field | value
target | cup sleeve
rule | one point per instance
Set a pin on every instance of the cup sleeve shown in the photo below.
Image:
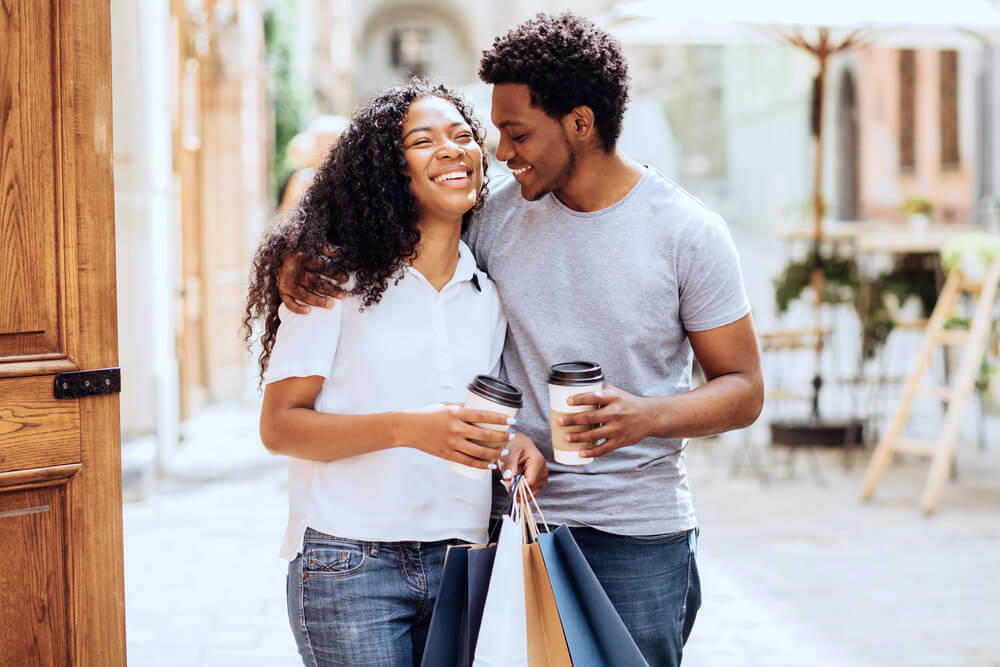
(306, 345)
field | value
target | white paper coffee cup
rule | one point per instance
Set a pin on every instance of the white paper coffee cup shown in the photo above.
(565, 380)
(489, 393)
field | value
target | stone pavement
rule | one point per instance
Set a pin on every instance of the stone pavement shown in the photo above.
(793, 572)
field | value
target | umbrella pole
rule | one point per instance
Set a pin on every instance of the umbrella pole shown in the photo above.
(816, 279)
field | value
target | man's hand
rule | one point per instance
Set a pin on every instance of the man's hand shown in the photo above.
(448, 432)
(622, 419)
(313, 289)
(524, 458)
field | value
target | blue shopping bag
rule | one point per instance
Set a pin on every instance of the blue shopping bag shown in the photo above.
(595, 633)
(458, 610)
(442, 646)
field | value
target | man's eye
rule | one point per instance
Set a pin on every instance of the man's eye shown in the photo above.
(519, 138)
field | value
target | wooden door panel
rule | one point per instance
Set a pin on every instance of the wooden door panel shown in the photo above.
(33, 578)
(36, 429)
(29, 303)
(61, 571)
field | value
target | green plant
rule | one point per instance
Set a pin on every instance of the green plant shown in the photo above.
(910, 277)
(289, 95)
(917, 205)
(839, 273)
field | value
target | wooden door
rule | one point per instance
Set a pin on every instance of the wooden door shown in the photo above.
(61, 574)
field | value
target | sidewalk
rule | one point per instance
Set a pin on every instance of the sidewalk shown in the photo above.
(793, 573)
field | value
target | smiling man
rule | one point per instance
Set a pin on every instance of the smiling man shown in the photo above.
(598, 257)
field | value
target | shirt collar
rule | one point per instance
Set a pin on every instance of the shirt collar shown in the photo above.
(465, 270)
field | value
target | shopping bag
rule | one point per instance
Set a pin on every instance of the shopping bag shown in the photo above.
(595, 633)
(480, 567)
(442, 648)
(546, 641)
(503, 640)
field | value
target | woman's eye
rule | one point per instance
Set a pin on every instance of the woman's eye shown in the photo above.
(465, 135)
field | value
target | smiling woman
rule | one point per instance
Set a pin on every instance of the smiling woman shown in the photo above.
(357, 394)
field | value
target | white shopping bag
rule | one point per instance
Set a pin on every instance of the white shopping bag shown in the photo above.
(503, 633)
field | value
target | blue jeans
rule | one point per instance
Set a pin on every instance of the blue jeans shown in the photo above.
(652, 582)
(363, 603)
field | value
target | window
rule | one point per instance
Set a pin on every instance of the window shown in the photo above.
(948, 90)
(907, 109)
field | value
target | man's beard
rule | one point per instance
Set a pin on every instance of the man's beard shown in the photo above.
(564, 176)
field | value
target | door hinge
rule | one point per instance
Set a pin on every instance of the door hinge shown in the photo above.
(77, 384)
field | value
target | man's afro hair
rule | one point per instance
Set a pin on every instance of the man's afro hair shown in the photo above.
(567, 62)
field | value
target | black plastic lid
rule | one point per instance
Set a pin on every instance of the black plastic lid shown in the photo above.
(573, 373)
(498, 391)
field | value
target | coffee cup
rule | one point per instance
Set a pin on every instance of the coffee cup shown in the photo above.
(489, 393)
(565, 380)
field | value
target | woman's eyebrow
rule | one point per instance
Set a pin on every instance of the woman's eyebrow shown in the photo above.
(427, 128)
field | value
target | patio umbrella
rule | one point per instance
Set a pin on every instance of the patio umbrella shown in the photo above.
(821, 29)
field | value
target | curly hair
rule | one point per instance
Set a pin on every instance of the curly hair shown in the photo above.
(361, 202)
(567, 62)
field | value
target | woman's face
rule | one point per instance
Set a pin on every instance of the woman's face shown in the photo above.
(442, 157)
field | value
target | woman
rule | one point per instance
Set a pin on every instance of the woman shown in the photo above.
(356, 395)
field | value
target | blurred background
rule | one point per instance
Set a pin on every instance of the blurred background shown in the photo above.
(222, 107)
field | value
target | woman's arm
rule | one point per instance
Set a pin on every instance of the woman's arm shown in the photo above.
(290, 426)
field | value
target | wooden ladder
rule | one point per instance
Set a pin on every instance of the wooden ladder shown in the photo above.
(974, 340)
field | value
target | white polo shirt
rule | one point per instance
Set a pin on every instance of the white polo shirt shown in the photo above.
(416, 347)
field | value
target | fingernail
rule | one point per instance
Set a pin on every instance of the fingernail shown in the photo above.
(511, 421)
(597, 393)
(505, 452)
(492, 466)
(562, 421)
(507, 474)
(510, 437)
(566, 438)
(308, 309)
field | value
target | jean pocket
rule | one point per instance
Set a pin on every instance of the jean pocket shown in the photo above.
(332, 558)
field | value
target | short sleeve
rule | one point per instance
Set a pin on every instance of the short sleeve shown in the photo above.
(712, 293)
(306, 344)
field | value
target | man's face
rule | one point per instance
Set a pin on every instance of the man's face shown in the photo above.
(534, 145)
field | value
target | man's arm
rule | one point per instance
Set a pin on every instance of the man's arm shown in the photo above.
(731, 398)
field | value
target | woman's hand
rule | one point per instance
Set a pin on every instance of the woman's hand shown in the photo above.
(524, 458)
(449, 432)
(313, 289)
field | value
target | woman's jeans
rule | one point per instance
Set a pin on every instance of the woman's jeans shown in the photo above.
(363, 603)
(652, 582)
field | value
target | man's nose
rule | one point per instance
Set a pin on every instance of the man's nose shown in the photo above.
(505, 149)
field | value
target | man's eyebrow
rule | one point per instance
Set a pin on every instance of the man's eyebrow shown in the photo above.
(507, 123)
(427, 128)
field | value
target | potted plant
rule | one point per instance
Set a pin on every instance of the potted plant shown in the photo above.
(918, 214)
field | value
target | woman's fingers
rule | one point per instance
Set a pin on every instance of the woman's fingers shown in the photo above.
(475, 455)
(484, 417)
(477, 433)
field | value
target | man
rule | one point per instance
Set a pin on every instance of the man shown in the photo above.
(600, 258)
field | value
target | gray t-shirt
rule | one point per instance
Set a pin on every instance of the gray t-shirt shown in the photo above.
(620, 287)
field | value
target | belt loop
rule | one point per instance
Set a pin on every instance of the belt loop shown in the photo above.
(373, 549)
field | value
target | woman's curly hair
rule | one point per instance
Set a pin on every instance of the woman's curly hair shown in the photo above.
(361, 202)
(567, 62)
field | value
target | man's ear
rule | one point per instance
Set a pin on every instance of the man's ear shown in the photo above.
(579, 124)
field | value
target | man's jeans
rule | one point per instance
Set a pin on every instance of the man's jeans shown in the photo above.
(652, 582)
(363, 603)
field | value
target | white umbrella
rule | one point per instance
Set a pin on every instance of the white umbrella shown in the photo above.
(822, 29)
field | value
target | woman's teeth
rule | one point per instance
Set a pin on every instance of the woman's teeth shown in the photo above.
(518, 172)
(451, 176)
